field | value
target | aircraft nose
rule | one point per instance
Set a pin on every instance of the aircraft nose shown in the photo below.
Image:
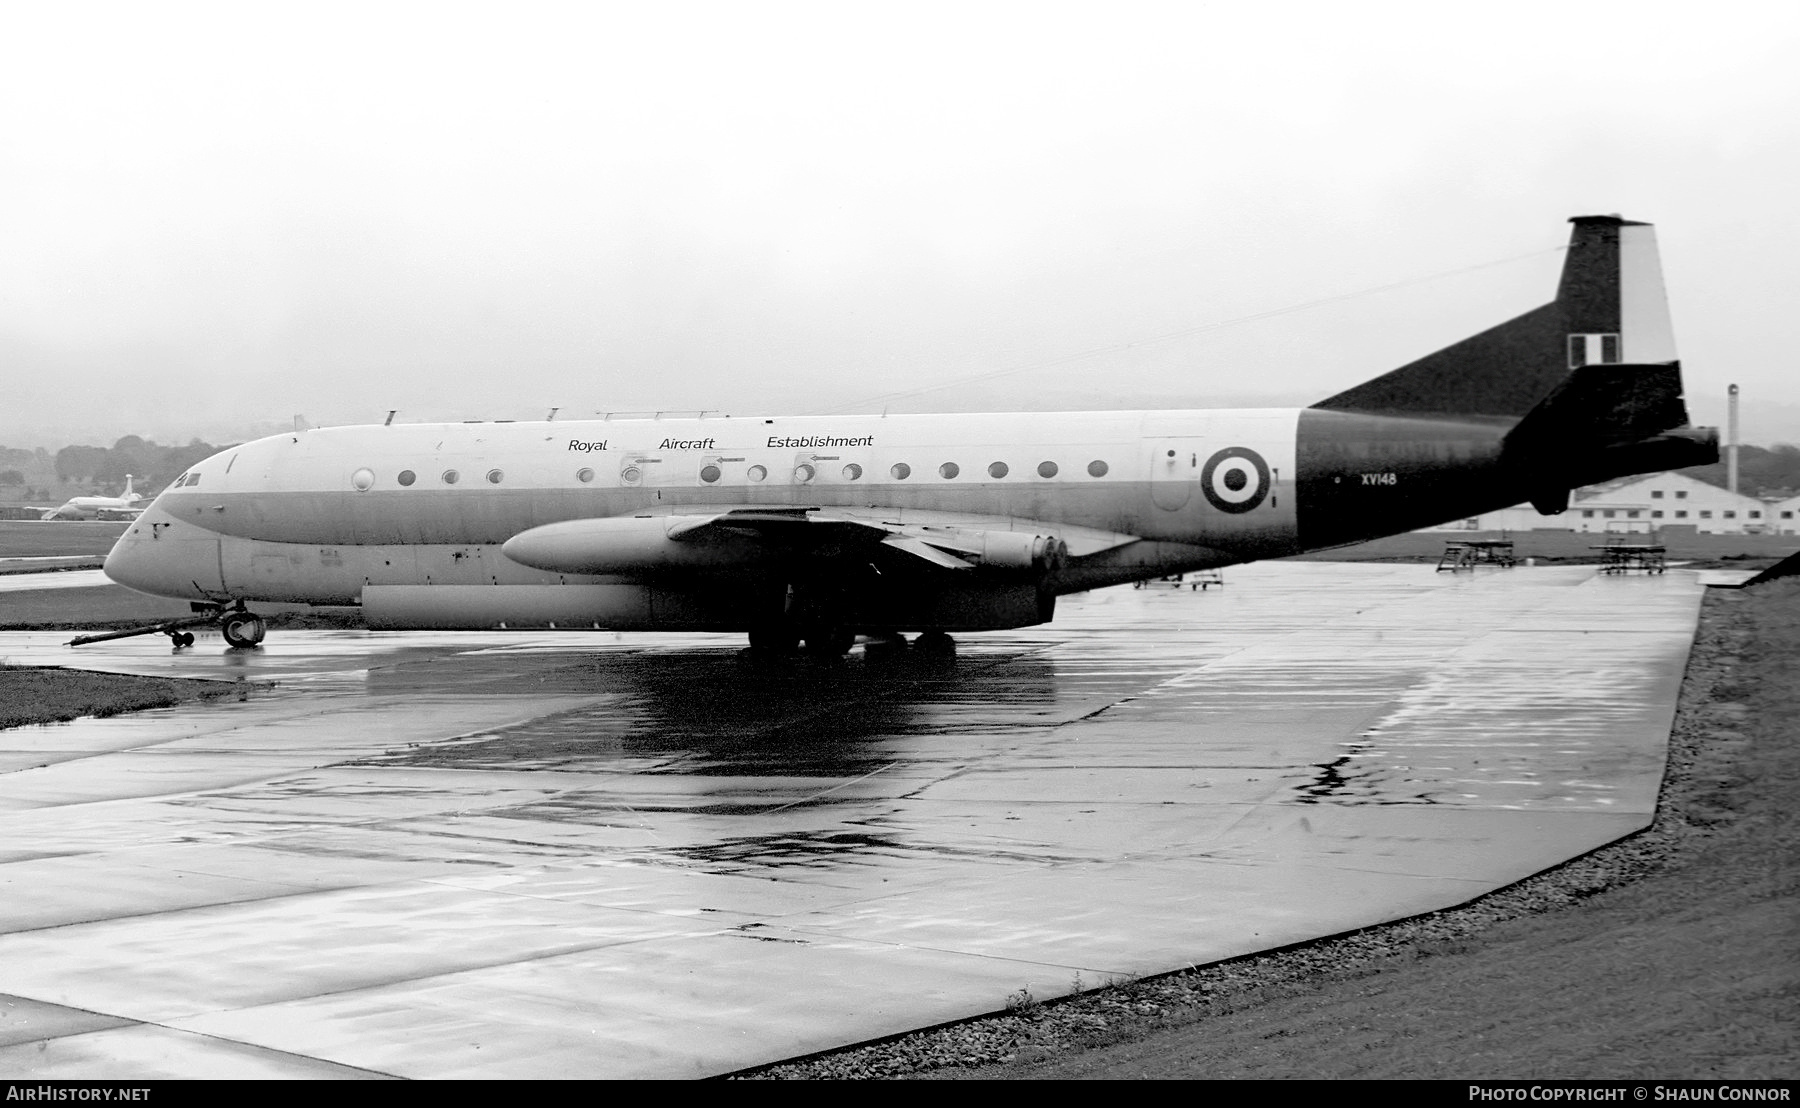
(128, 563)
(153, 557)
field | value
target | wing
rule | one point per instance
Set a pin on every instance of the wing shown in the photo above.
(745, 536)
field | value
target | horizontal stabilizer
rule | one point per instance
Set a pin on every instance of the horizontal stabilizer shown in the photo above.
(1597, 406)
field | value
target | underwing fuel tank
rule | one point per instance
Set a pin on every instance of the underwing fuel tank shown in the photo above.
(632, 545)
(627, 545)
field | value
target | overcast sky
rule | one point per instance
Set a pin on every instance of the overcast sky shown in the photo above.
(216, 217)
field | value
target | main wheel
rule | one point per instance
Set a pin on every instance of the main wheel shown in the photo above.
(935, 644)
(774, 639)
(830, 642)
(885, 647)
(243, 630)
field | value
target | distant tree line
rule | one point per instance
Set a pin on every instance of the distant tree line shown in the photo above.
(1771, 472)
(151, 464)
(28, 459)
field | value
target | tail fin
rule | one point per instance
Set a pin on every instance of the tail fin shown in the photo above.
(1610, 310)
(128, 496)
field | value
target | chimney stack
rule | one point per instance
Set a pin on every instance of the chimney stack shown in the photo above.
(1731, 442)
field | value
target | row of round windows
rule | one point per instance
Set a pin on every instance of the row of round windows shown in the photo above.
(804, 473)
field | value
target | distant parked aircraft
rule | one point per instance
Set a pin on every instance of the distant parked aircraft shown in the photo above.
(122, 506)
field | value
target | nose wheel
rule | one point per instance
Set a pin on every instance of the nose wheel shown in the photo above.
(242, 630)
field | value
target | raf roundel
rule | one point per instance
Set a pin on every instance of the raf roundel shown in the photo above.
(1236, 479)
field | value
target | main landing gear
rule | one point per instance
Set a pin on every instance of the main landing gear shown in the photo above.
(807, 616)
(819, 619)
(241, 628)
(817, 641)
(774, 642)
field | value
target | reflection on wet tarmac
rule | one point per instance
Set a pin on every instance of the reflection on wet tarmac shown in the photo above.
(446, 855)
(713, 714)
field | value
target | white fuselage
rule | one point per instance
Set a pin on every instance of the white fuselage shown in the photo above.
(336, 516)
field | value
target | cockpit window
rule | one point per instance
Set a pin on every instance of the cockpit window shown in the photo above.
(192, 479)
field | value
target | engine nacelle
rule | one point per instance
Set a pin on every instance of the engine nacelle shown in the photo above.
(627, 545)
(1017, 549)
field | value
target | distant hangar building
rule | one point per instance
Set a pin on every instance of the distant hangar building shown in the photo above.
(1647, 503)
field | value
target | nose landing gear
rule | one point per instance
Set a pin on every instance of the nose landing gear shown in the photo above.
(241, 628)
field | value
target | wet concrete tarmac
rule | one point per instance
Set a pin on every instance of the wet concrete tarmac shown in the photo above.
(33, 582)
(597, 855)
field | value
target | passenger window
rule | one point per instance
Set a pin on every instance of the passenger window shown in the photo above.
(1096, 468)
(1046, 469)
(584, 475)
(407, 477)
(901, 471)
(852, 472)
(709, 473)
(494, 476)
(803, 474)
(363, 480)
(997, 470)
(949, 470)
(450, 476)
(756, 473)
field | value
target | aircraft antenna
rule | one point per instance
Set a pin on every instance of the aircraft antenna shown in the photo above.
(392, 412)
